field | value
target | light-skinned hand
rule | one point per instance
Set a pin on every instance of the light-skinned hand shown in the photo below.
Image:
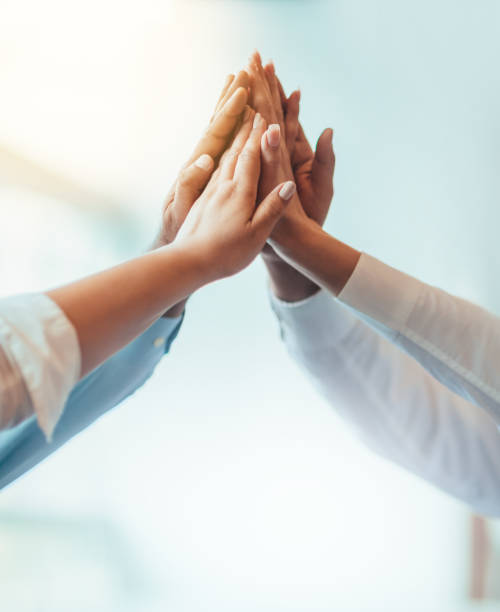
(225, 227)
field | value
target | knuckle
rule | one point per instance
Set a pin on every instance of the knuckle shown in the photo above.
(248, 154)
(275, 208)
(184, 176)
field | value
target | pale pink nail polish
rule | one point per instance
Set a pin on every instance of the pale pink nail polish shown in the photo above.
(205, 162)
(287, 191)
(273, 136)
(256, 120)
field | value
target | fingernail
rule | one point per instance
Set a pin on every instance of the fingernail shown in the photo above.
(204, 162)
(256, 120)
(287, 191)
(273, 136)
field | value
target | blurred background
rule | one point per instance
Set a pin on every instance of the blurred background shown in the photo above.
(226, 483)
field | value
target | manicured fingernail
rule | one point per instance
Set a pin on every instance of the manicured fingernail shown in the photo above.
(287, 191)
(205, 162)
(256, 120)
(273, 136)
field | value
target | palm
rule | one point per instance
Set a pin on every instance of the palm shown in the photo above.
(315, 193)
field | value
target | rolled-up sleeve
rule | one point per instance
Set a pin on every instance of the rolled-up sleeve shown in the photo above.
(24, 446)
(40, 361)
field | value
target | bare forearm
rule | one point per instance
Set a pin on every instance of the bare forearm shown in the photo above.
(111, 308)
(324, 260)
(177, 309)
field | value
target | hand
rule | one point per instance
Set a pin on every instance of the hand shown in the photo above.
(197, 171)
(313, 171)
(225, 227)
(190, 183)
(286, 282)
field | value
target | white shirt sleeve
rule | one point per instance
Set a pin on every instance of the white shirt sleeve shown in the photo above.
(456, 341)
(397, 407)
(39, 361)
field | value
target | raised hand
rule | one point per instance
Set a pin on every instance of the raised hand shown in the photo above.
(225, 228)
(313, 171)
(197, 170)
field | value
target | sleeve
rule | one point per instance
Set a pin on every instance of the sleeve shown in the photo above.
(399, 410)
(456, 341)
(120, 376)
(39, 360)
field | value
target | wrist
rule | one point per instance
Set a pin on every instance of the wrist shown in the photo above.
(287, 283)
(321, 257)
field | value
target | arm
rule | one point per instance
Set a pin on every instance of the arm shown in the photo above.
(24, 446)
(108, 309)
(400, 410)
(456, 341)
(395, 405)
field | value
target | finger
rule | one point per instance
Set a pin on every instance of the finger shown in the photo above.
(190, 184)
(271, 159)
(324, 164)
(230, 157)
(247, 171)
(261, 95)
(282, 93)
(270, 210)
(225, 88)
(275, 94)
(218, 132)
(292, 121)
(241, 80)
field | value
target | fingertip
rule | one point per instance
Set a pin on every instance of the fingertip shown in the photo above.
(293, 101)
(205, 162)
(255, 57)
(287, 191)
(273, 135)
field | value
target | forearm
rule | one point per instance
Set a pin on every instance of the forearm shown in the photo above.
(25, 446)
(111, 308)
(319, 257)
(456, 341)
(399, 410)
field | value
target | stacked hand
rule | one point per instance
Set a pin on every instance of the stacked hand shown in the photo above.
(225, 205)
(236, 193)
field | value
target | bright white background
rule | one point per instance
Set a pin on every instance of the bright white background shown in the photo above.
(226, 483)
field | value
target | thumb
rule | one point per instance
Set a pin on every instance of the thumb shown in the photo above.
(324, 165)
(269, 211)
(191, 182)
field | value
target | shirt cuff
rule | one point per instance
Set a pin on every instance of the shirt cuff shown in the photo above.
(315, 322)
(42, 343)
(382, 293)
(160, 335)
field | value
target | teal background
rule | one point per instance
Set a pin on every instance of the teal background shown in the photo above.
(226, 483)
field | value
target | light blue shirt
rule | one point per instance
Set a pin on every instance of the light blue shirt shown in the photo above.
(22, 447)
